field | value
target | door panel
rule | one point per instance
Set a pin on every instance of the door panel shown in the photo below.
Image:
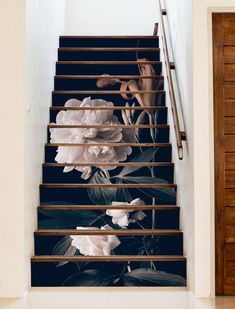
(224, 132)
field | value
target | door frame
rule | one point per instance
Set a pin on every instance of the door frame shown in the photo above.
(204, 189)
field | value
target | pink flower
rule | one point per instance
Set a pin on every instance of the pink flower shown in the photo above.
(95, 245)
(93, 154)
(121, 216)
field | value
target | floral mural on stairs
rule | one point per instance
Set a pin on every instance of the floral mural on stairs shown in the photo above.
(126, 218)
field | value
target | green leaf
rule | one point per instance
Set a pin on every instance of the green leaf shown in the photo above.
(91, 277)
(62, 246)
(144, 179)
(150, 277)
(145, 156)
(161, 194)
(68, 219)
(101, 196)
(123, 194)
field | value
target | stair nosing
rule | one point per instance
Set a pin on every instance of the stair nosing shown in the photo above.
(104, 185)
(91, 62)
(156, 164)
(107, 92)
(55, 108)
(129, 258)
(120, 232)
(109, 36)
(108, 144)
(108, 49)
(103, 126)
(104, 207)
(108, 77)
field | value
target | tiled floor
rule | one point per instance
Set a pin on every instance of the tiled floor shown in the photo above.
(114, 299)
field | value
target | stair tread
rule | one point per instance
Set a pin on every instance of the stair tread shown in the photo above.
(104, 207)
(113, 62)
(53, 258)
(108, 49)
(109, 144)
(106, 91)
(108, 36)
(56, 232)
(160, 164)
(109, 77)
(105, 185)
(55, 108)
(77, 126)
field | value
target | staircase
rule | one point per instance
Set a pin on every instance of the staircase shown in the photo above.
(108, 213)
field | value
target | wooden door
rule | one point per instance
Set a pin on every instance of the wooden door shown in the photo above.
(224, 134)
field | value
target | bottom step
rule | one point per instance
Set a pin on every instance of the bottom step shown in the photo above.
(114, 271)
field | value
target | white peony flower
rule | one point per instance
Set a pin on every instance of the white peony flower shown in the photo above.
(121, 216)
(94, 154)
(95, 245)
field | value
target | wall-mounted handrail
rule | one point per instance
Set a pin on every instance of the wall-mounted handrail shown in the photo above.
(180, 135)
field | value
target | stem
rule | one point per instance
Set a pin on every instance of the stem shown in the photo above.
(140, 225)
(147, 252)
(97, 219)
(106, 173)
(128, 267)
(153, 203)
(138, 141)
(152, 133)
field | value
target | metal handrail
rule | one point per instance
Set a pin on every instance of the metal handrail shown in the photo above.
(180, 135)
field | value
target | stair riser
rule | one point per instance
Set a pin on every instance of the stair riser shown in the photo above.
(109, 42)
(89, 84)
(161, 116)
(70, 219)
(98, 69)
(117, 99)
(130, 245)
(161, 135)
(79, 196)
(47, 274)
(163, 154)
(108, 55)
(55, 174)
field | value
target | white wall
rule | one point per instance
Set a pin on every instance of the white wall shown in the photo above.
(26, 85)
(45, 22)
(179, 15)
(110, 17)
(12, 116)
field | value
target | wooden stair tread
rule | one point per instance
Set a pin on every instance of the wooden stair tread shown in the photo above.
(56, 232)
(105, 185)
(108, 77)
(101, 126)
(97, 49)
(109, 62)
(108, 36)
(111, 258)
(157, 164)
(108, 144)
(106, 92)
(140, 108)
(104, 207)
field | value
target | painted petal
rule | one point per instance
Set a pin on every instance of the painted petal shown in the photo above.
(137, 201)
